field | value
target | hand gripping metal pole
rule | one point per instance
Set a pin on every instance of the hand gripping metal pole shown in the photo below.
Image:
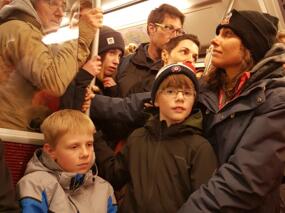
(95, 46)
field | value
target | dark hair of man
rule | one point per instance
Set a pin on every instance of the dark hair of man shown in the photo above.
(173, 42)
(158, 14)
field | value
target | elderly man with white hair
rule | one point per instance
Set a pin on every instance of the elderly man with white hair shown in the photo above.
(28, 67)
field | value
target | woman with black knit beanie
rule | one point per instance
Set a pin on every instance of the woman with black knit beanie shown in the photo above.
(243, 99)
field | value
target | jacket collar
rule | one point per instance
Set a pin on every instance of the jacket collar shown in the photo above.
(20, 7)
(262, 74)
(192, 124)
(24, 17)
(141, 58)
(68, 180)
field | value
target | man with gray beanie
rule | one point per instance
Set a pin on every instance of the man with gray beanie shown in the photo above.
(103, 67)
(111, 49)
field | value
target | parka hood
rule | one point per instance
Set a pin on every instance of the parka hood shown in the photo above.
(192, 125)
(273, 60)
(68, 180)
(42, 162)
(24, 6)
(269, 68)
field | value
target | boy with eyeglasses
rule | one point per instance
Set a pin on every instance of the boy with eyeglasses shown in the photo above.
(165, 161)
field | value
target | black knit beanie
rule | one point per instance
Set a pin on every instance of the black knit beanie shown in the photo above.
(256, 30)
(174, 69)
(110, 39)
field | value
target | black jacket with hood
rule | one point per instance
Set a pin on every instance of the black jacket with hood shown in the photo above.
(137, 72)
(161, 165)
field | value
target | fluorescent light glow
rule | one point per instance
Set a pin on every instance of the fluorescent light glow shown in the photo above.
(62, 35)
(112, 4)
(126, 17)
(138, 13)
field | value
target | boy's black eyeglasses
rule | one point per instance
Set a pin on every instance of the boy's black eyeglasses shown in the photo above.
(173, 92)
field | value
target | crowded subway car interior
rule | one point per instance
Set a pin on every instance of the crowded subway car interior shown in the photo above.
(124, 65)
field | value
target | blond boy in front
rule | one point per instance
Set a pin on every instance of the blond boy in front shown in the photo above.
(62, 176)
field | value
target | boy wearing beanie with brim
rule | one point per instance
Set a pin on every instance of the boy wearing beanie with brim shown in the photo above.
(163, 162)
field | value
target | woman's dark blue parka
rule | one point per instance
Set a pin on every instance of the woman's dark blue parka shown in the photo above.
(248, 135)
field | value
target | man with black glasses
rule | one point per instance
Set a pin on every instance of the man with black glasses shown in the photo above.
(137, 71)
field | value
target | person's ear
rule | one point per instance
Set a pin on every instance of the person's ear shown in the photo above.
(49, 150)
(156, 104)
(164, 56)
(151, 28)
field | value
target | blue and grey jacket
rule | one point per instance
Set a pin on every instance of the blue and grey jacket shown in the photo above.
(46, 188)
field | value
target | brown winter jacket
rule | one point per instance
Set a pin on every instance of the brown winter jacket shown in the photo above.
(28, 66)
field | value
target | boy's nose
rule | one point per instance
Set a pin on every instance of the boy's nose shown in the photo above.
(84, 152)
(180, 95)
(117, 60)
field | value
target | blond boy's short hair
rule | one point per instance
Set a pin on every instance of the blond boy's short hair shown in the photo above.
(64, 122)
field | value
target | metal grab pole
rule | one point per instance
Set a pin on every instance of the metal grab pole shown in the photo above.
(95, 46)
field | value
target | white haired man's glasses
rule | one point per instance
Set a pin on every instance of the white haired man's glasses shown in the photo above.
(57, 4)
